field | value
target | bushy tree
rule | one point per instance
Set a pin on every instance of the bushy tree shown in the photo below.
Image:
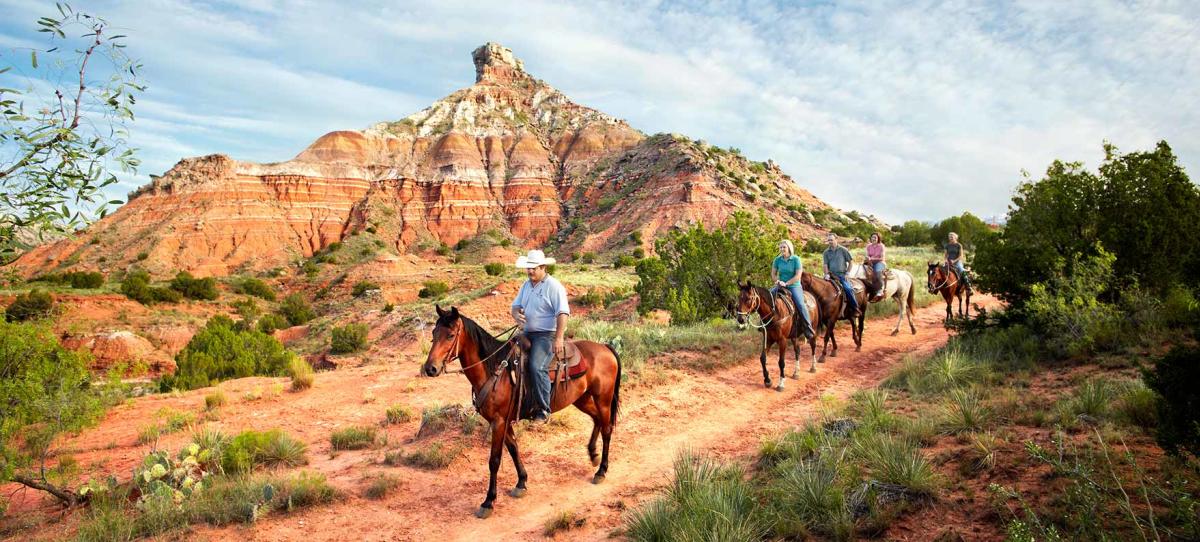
(1139, 207)
(29, 306)
(971, 231)
(1174, 379)
(60, 137)
(296, 309)
(912, 233)
(222, 351)
(194, 288)
(136, 286)
(348, 338)
(45, 392)
(696, 271)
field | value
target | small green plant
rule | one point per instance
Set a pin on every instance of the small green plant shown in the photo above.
(34, 305)
(432, 457)
(493, 269)
(588, 257)
(362, 287)
(301, 373)
(251, 449)
(222, 351)
(380, 486)
(353, 438)
(433, 289)
(142, 256)
(296, 309)
(624, 260)
(268, 323)
(563, 520)
(348, 338)
(255, 287)
(397, 414)
(388, 308)
(194, 288)
(964, 412)
(136, 286)
(215, 400)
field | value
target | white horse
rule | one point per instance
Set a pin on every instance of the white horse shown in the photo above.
(898, 286)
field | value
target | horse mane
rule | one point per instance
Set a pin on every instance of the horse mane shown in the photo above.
(485, 344)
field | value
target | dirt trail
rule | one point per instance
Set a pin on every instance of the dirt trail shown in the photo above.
(725, 413)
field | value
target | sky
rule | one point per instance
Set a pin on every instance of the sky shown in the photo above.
(905, 110)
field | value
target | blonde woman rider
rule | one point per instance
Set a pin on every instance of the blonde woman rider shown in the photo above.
(785, 271)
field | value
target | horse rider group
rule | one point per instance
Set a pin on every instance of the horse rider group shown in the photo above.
(541, 309)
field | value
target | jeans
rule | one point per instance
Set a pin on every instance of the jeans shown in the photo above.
(962, 273)
(798, 298)
(879, 268)
(541, 353)
(848, 290)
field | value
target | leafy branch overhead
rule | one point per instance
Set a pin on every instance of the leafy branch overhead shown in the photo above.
(64, 113)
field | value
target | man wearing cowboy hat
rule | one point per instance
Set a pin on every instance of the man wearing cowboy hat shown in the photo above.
(541, 309)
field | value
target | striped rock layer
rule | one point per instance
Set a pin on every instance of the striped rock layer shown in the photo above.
(509, 154)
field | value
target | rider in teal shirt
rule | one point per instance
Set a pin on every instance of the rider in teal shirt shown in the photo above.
(786, 271)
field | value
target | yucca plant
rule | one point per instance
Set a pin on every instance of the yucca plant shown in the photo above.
(964, 412)
(897, 462)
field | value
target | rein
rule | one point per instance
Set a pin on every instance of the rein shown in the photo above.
(454, 353)
(945, 282)
(758, 305)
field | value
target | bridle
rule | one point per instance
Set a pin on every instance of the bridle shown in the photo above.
(754, 310)
(945, 282)
(455, 352)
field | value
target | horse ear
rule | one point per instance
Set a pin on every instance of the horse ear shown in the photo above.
(454, 312)
(749, 284)
(439, 310)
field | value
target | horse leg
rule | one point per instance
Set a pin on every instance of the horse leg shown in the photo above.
(510, 442)
(833, 338)
(588, 405)
(900, 317)
(762, 359)
(782, 360)
(606, 429)
(796, 350)
(499, 430)
(858, 334)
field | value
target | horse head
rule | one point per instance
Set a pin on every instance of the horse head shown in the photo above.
(936, 277)
(747, 302)
(447, 342)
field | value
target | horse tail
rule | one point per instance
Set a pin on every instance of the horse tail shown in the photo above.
(616, 398)
(912, 304)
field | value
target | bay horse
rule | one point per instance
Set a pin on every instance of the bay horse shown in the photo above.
(945, 281)
(487, 363)
(900, 287)
(833, 308)
(777, 320)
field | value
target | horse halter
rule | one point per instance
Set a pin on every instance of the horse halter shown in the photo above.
(945, 281)
(754, 309)
(453, 353)
(456, 352)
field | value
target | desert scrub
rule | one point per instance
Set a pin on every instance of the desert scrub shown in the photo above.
(353, 438)
(493, 269)
(433, 289)
(301, 373)
(296, 309)
(254, 287)
(380, 486)
(432, 456)
(252, 449)
(29, 306)
(705, 501)
(362, 287)
(637, 343)
(222, 351)
(348, 338)
(438, 418)
(397, 414)
(193, 288)
(215, 400)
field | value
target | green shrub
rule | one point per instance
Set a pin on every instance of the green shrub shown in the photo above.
(1174, 379)
(252, 449)
(897, 461)
(635, 236)
(215, 400)
(461, 244)
(363, 286)
(296, 309)
(256, 288)
(1068, 308)
(624, 260)
(493, 269)
(588, 257)
(706, 501)
(77, 279)
(348, 338)
(388, 307)
(29, 306)
(638, 253)
(310, 268)
(380, 486)
(142, 256)
(964, 412)
(136, 286)
(432, 457)
(443, 250)
(271, 322)
(607, 202)
(433, 289)
(398, 414)
(220, 352)
(353, 438)
(301, 373)
(1137, 406)
(194, 288)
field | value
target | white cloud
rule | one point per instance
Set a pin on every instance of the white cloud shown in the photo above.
(903, 110)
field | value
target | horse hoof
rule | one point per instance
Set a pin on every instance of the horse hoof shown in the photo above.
(779, 387)
(796, 373)
(766, 383)
(812, 369)
(483, 513)
(597, 478)
(895, 332)
(517, 492)
(858, 349)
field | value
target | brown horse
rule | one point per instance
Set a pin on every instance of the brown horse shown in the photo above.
(487, 363)
(945, 281)
(777, 316)
(833, 307)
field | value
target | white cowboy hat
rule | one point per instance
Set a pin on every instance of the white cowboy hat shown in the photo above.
(534, 259)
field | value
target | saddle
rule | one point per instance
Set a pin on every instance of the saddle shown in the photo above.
(568, 364)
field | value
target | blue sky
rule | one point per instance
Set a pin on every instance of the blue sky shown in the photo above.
(903, 110)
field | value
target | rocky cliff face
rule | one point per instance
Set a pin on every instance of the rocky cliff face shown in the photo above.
(509, 153)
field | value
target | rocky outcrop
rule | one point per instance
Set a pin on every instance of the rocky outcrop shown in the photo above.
(114, 348)
(509, 153)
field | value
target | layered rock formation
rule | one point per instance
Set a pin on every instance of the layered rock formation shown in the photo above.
(509, 153)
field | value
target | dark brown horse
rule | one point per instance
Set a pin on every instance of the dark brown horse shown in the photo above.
(945, 281)
(833, 307)
(486, 361)
(777, 319)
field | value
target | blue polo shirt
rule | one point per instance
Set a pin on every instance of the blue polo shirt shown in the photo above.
(543, 302)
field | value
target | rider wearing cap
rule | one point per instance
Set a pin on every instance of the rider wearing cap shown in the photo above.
(541, 309)
(837, 263)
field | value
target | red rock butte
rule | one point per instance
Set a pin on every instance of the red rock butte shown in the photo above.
(509, 154)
